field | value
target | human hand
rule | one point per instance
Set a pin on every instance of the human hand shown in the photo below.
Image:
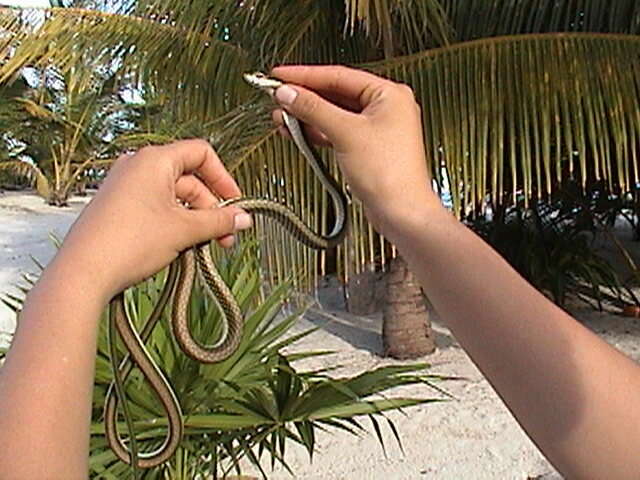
(374, 126)
(135, 225)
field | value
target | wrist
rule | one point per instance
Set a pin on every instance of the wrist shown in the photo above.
(403, 221)
(73, 275)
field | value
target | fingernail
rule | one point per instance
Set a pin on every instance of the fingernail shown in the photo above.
(242, 221)
(286, 95)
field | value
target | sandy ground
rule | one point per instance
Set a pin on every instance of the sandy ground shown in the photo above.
(472, 436)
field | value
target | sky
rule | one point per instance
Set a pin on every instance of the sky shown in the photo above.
(25, 3)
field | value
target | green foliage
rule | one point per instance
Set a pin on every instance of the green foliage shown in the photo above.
(551, 244)
(250, 406)
(58, 134)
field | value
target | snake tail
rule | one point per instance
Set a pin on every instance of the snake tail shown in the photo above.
(139, 354)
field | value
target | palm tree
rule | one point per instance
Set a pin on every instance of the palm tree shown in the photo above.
(517, 96)
(60, 131)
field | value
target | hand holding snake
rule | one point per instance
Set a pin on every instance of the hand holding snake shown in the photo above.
(134, 227)
(369, 106)
(138, 209)
(179, 283)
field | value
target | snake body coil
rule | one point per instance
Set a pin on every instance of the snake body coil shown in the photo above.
(180, 279)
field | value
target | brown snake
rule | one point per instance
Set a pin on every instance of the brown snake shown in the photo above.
(179, 282)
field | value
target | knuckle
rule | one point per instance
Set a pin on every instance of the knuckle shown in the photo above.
(405, 90)
(201, 143)
(340, 73)
(206, 148)
(222, 223)
(310, 104)
(192, 193)
(148, 151)
(406, 94)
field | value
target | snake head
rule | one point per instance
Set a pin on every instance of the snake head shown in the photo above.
(262, 81)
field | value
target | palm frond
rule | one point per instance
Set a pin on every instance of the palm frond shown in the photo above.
(36, 110)
(183, 63)
(420, 24)
(269, 31)
(503, 116)
(178, 47)
(523, 113)
(473, 19)
(252, 403)
(326, 32)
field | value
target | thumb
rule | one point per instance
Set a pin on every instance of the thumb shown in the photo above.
(207, 224)
(312, 109)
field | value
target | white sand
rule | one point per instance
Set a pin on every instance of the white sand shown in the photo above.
(470, 437)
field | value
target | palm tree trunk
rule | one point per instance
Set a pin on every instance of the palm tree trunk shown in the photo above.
(364, 291)
(406, 328)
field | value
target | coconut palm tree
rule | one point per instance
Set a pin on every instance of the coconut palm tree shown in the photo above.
(517, 95)
(60, 132)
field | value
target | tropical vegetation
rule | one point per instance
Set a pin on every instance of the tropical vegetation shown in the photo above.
(247, 409)
(518, 97)
(552, 244)
(59, 134)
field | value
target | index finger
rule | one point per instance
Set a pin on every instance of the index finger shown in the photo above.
(337, 79)
(197, 156)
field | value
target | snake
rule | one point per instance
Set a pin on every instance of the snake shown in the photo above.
(179, 282)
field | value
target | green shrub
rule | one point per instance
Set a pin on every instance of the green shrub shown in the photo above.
(551, 244)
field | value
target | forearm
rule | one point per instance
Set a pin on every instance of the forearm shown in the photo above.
(47, 379)
(576, 396)
(131, 229)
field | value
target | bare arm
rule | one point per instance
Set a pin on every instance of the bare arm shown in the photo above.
(131, 229)
(577, 397)
(47, 379)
